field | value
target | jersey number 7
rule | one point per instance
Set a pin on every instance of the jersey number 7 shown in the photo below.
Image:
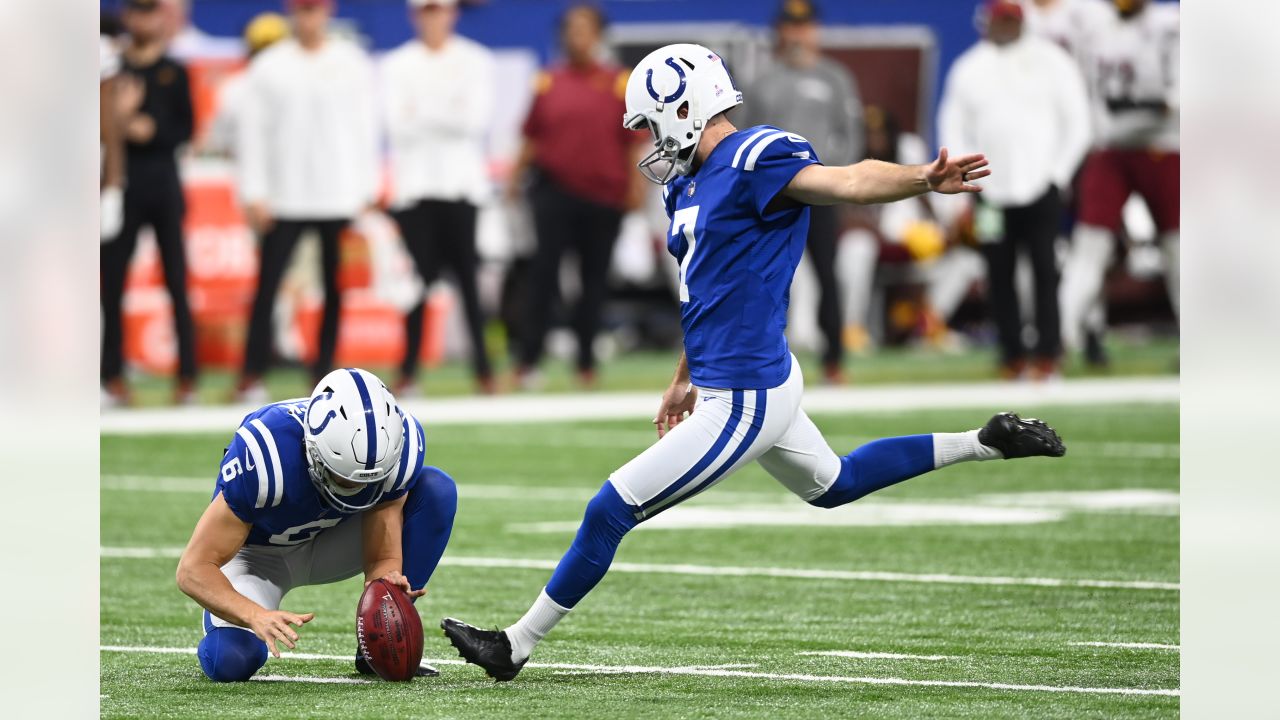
(684, 221)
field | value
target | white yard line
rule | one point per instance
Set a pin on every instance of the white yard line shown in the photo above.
(625, 671)
(630, 406)
(1134, 500)
(479, 491)
(859, 655)
(469, 491)
(746, 674)
(288, 654)
(817, 574)
(326, 680)
(140, 553)
(726, 570)
(1129, 645)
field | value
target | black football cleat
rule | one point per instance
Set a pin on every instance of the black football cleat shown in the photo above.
(424, 670)
(1018, 438)
(490, 649)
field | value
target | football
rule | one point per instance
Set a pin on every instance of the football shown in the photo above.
(389, 631)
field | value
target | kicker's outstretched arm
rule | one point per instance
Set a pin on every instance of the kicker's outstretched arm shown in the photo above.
(874, 181)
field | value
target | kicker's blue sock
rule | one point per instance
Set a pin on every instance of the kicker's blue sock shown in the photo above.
(876, 466)
(608, 518)
(428, 521)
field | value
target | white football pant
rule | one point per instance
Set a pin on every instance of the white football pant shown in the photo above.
(264, 573)
(728, 429)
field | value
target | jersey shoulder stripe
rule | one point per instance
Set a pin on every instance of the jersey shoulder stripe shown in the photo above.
(263, 466)
(259, 465)
(263, 434)
(414, 450)
(737, 157)
(754, 156)
(273, 456)
(398, 477)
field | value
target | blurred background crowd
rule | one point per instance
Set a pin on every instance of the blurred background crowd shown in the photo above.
(443, 189)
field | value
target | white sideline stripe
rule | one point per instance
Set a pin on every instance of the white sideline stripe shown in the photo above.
(727, 570)
(858, 655)
(326, 680)
(1130, 645)
(482, 491)
(287, 654)
(1151, 501)
(470, 491)
(815, 574)
(141, 552)
(624, 671)
(639, 406)
(714, 672)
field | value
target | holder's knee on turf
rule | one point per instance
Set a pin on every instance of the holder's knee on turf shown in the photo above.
(229, 654)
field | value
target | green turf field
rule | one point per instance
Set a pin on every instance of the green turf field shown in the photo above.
(644, 371)
(703, 643)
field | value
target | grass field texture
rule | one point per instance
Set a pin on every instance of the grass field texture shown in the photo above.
(969, 625)
(640, 371)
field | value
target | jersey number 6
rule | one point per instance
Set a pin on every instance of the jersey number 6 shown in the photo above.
(685, 221)
(231, 469)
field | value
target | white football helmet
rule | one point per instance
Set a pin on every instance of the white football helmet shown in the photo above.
(671, 79)
(354, 437)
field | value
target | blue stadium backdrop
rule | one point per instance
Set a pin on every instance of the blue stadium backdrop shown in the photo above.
(531, 23)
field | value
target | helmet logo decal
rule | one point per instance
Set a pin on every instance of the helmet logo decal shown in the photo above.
(327, 417)
(648, 83)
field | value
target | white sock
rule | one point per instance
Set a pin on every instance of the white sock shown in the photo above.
(951, 448)
(536, 623)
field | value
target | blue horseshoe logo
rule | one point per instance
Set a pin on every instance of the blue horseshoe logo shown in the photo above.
(328, 416)
(648, 82)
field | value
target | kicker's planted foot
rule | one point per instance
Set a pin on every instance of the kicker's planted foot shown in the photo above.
(1018, 438)
(490, 649)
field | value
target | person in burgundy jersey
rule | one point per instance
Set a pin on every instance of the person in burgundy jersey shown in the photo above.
(575, 204)
(1133, 71)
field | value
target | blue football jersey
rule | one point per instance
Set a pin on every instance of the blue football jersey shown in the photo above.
(265, 481)
(737, 256)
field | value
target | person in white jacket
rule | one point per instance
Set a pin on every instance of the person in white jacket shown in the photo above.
(263, 31)
(307, 152)
(1023, 100)
(437, 103)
